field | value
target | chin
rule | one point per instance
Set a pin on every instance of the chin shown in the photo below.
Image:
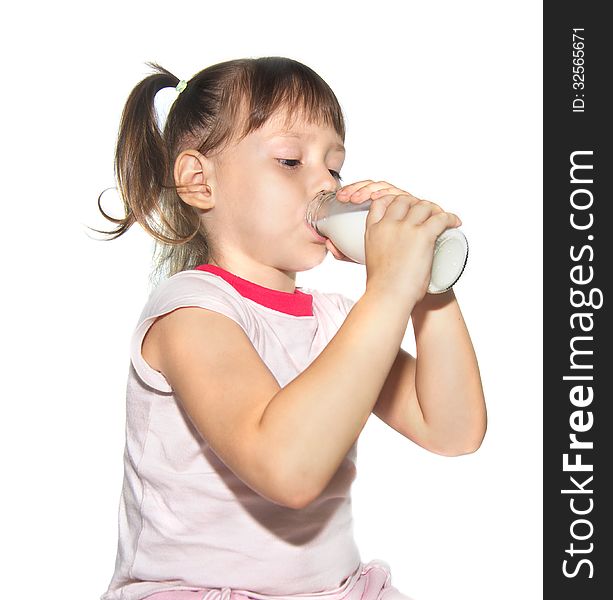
(310, 259)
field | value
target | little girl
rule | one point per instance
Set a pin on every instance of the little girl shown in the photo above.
(246, 395)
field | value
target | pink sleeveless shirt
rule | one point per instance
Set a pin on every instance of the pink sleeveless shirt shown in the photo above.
(185, 520)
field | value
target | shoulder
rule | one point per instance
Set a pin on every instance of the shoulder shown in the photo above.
(187, 289)
(196, 288)
(194, 281)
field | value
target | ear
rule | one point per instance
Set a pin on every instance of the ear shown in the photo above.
(190, 173)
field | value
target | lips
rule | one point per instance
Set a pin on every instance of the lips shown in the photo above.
(316, 235)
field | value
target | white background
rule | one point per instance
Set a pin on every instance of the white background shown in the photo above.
(442, 99)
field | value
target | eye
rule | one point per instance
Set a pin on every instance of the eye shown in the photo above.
(283, 161)
(288, 160)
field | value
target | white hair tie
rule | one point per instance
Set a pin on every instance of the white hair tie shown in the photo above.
(163, 101)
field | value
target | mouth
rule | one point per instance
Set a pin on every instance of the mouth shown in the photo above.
(316, 235)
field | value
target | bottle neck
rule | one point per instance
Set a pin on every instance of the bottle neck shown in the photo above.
(314, 207)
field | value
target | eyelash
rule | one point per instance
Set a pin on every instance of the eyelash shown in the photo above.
(336, 174)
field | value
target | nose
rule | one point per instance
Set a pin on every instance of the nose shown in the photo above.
(327, 183)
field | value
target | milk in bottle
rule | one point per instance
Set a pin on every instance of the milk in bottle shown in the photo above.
(345, 224)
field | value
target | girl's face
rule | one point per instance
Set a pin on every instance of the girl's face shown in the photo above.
(262, 186)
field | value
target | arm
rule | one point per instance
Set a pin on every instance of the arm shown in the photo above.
(286, 443)
(437, 399)
(317, 417)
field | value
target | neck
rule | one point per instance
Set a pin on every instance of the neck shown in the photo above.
(264, 275)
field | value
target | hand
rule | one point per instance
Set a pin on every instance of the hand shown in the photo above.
(359, 192)
(401, 230)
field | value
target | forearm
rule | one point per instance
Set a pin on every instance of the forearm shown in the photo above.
(447, 377)
(314, 420)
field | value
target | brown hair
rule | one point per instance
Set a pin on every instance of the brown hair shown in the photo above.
(207, 115)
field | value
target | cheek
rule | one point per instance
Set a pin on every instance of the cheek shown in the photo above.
(263, 220)
(281, 212)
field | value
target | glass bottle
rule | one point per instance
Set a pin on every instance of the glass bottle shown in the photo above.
(344, 223)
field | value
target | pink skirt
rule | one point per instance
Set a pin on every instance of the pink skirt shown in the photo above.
(370, 581)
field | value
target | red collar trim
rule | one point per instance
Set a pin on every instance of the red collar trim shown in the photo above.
(297, 303)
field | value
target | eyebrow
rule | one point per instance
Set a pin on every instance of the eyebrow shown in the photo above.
(300, 136)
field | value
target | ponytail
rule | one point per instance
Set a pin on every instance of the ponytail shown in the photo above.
(144, 172)
(142, 157)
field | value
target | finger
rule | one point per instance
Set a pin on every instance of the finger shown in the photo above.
(377, 209)
(361, 191)
(435, 207)
(358, 193)
(398, 205)
(346, 191)
(388, 190)
(420, 212)
(439, 222)
(372, 190)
